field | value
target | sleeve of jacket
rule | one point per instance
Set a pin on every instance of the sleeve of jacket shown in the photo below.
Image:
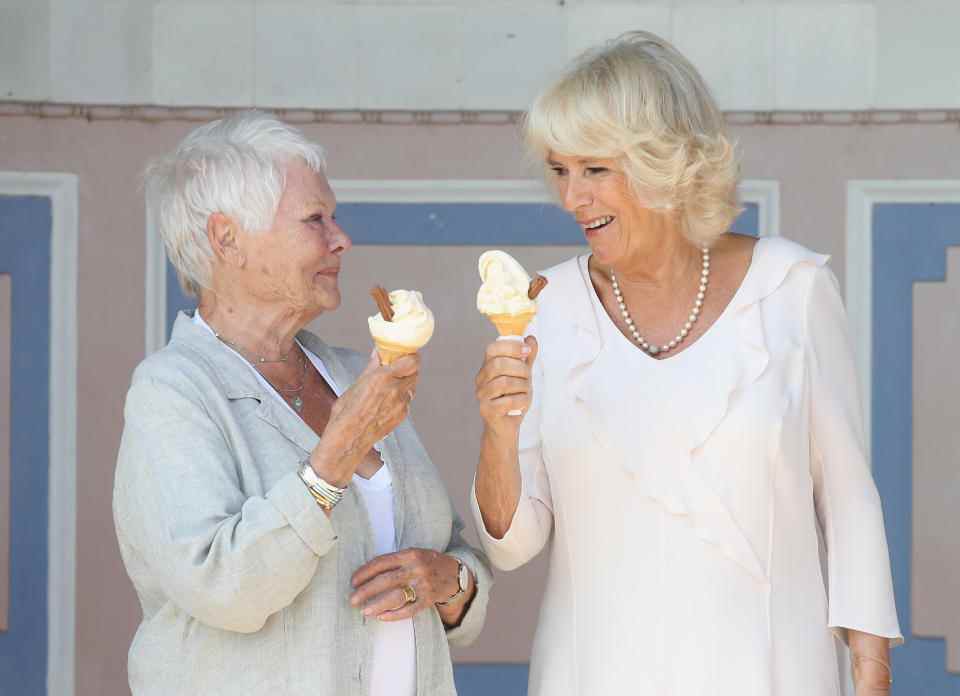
(476, 615)
(847, 502)
(228, 560)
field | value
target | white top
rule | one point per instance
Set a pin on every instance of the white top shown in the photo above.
(394, 670)
(682, 497)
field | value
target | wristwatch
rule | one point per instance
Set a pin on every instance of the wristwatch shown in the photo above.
(463, 582)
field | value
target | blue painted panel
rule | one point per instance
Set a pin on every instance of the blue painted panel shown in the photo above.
(502, 679)
(748, 222)
(458, 224)
(909, 245)
(486, 224)
(482, 224)
(177, 300)
(25, 237)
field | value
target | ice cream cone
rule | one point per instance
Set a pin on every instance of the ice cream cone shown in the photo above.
(511, 324)
(389, 352)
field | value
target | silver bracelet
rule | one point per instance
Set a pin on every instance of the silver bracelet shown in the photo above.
(326, 494)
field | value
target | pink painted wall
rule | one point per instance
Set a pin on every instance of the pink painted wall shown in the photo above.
(812, 163)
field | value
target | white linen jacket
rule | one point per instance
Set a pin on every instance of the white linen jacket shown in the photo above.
(243, 580)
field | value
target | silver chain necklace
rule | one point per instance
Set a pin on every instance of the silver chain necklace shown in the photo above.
(260, 359)
(691, 320)
(296, 400)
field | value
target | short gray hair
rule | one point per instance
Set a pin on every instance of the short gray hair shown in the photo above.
(235, 166)
(638, 100)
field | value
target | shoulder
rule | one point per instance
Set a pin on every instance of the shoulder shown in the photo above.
(782, 267)
(564, 302)
(564, 272)
(175, 363)
(175, 375)
(565, 281)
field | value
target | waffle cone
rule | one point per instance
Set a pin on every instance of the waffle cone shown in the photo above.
(511, 324)
(389, 352)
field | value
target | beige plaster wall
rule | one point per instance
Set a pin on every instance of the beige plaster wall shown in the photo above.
(811, 162)
(936, 459)
(5, 323)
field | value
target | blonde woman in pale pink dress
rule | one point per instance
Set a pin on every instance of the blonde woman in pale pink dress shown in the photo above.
(691, 441)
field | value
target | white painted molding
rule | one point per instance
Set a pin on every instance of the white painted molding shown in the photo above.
(61, 542)
(155, 324)
(862, 195)
(766, 194)
(441, 191)
(139, 113)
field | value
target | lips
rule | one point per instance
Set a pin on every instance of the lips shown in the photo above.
(593, 225)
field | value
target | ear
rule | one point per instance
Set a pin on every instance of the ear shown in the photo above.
(224, 238)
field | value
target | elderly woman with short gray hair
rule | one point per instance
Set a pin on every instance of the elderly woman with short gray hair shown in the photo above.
(690, 418)
(284, 528)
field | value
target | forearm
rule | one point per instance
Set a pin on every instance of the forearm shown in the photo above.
(337, 456)
(870, 658)
(498, 483)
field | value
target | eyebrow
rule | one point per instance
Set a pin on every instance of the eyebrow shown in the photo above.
(582, 160)
(312, 206)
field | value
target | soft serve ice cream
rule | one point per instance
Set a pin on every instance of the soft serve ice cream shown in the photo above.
(506, 297)
(408, 327)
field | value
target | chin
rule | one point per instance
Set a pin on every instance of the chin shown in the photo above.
(328, 302)
(602, 254)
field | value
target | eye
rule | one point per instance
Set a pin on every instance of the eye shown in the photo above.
(558, 171)
(596, 170)
(315, 219)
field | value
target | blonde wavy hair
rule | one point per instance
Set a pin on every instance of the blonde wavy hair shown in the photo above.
(638, 100)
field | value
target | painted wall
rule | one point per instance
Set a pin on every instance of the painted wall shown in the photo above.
(5, 317)
(811, 162)
(762, 55)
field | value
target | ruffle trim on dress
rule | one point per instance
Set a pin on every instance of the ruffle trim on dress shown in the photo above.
(674, 482)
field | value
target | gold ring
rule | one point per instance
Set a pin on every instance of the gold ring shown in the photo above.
(409, 594)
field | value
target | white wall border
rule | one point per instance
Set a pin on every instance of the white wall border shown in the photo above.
(155, 295)
(765, 193)
(61, 540)
(862, 195)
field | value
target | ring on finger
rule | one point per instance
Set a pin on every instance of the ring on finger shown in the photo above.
(409, 594)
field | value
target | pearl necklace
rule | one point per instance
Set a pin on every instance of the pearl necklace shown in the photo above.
(694, 313)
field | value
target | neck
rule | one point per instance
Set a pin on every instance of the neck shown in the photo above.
(261, 330)
(659, 258)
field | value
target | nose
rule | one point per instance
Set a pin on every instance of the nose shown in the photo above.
(575, 193)
(339, 241)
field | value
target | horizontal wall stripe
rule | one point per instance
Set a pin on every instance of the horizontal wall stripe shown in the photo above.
(502, 224)
(480, 224)
(139, 113)
(487, 679)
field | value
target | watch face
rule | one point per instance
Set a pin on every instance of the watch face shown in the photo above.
(463, 577)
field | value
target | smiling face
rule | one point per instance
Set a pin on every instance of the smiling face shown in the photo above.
(597, 193)
(296, 262)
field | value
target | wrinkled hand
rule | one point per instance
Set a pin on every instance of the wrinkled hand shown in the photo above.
(376, 403)
(504, 384)
(379, 584)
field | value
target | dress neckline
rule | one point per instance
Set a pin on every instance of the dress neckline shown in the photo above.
(606, 320)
